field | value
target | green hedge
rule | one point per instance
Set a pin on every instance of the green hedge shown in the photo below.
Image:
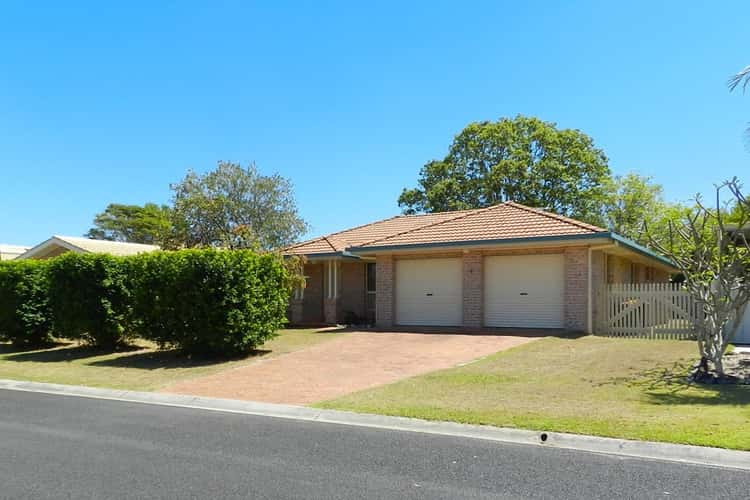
(25, 317)
(90, 298)
(209, 302)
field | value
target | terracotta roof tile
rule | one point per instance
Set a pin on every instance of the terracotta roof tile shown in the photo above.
(505, 221)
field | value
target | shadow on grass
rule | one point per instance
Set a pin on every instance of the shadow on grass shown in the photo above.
(62, 354)
(711, 395)
(669, 386)
(6, 348)
(170, 359)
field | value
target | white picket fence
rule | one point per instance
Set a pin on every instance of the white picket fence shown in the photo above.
(647, 310)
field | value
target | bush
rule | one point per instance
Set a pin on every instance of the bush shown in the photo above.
(25, 317)
(209, 302)
(90, 299)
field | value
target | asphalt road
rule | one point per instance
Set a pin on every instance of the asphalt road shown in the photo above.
(68, 447)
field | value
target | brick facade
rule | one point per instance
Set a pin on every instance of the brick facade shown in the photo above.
(473, 289)
(384, 284)
(318, 307)
(576, 288)
(296, 311)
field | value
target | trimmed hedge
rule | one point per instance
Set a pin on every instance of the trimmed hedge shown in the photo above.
(210, 302)
(25, 317)
(207, 302)
(90, 300)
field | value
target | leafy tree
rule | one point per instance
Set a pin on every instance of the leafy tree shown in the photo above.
(522, 159)
(235, 207)
(714, 257)
(634, 202)
(149, 223)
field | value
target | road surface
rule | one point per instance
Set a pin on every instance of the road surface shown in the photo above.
(78, 448)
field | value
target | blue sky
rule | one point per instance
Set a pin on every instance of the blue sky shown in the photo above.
(111, 103)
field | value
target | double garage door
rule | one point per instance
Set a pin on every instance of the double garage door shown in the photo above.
(524, 291)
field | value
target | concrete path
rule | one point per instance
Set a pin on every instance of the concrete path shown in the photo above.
(351, 363)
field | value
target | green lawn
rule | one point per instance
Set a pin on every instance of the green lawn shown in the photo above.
(590, 385)
(141, 368)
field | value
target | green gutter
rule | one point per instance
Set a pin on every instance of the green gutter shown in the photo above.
(641, 249)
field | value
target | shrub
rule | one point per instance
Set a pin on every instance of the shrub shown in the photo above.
(210, 302)
(90, 299)
(25, 317)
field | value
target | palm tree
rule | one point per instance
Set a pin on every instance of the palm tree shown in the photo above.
(741, 77)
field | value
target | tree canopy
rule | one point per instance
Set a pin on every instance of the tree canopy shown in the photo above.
(235, 207)
(633, 203)
(149, 223)
(523, 159)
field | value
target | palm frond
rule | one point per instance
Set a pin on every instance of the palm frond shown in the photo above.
(741, 77)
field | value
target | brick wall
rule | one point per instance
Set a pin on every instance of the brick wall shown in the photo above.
(384, 283)
(473, 289)
(598, 285)
(312, 306)
(576, 288)
(295, 312)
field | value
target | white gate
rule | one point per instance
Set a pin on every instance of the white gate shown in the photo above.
(647, 310)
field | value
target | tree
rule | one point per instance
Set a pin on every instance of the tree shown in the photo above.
(235, 207)
(714, 257)
(522, 159)
(742, 78)
(633, 203)
(149, 223)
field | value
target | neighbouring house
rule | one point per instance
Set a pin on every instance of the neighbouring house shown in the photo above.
(10, 252)
(508, 265)
(60, 244)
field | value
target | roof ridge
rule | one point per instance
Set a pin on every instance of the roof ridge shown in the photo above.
(329, 243)
(464, 214)
(326, 236)
(553, 215)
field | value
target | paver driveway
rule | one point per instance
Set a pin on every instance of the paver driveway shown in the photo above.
(355, 361)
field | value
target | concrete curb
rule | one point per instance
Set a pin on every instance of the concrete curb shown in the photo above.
(698, 455)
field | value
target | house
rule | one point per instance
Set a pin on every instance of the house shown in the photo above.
(60, 244)
(507, 265)
(10, 252)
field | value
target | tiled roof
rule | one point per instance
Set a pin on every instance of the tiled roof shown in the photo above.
(507, 220)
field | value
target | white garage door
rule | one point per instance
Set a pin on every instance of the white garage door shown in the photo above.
(429, 292)
(524, 291)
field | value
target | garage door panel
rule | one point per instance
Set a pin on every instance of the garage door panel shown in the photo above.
(429, 292)
(524, 291)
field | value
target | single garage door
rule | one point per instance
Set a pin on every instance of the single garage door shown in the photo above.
(524, 291)
(429, 292)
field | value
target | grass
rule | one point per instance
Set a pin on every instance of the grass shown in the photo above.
(622, 388)
(141, 367)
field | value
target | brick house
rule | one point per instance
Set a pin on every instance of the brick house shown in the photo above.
(508, 265)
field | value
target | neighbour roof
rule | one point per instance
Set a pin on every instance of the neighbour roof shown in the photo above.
(507, 220)
(12, 248)
(106, 246)
(88, 245)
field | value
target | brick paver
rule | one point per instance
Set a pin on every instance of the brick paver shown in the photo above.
(353, 362)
